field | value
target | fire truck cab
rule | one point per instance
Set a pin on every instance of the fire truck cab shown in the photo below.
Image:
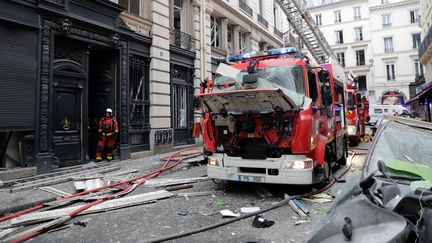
(357, 114)
(271, 118)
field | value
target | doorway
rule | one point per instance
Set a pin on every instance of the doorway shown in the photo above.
(101, 91)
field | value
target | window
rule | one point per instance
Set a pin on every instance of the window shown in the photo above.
(415, 16)
(178, 21)
(358, 33)
(313, 90)
(386, 21)
(132, 6)
(360, 58)
(338, 17)
(418, 68)
(139, 100)
(390, 71)
(388, 44)
(242, 42)
(341, 58)
(384, 1)
(230, 39)
(339, 37)
(357, 13)
(275, 16)
(362, 85)
(215, 32)
(416, 40)
(318, 19)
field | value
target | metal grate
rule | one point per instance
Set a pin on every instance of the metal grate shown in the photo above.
(262, 20)
(277, 32)
(181, 39)
(243, 6)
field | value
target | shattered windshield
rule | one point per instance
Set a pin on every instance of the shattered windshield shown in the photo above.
(402, 142)
(289, 79)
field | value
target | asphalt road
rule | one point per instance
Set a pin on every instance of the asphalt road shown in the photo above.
(161, 218)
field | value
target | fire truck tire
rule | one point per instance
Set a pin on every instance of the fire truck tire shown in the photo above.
(354, 141)
(327, 175)
(343, 159)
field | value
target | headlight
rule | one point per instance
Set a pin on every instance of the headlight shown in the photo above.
(298, 164)
(213, 161)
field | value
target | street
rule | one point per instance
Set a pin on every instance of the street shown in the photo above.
(162, 217)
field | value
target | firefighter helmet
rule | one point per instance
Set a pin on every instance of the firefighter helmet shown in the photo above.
(109, 110)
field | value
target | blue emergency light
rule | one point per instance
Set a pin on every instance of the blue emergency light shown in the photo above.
(281, 51)
(274, 52)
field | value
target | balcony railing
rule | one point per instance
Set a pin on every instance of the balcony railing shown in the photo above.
(181, 39)
(277, 32)
(243, 6)
(426, 42)
(388, 50)
(263, 21)
(387, 25)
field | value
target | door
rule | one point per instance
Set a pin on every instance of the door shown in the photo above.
(68, 90)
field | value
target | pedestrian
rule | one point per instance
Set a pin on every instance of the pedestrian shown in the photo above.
(108, 131)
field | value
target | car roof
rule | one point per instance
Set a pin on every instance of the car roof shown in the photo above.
(410, 122)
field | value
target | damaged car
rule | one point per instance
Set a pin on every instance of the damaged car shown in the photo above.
(391, 200)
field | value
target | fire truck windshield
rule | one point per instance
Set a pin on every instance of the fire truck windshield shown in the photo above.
(290, 79)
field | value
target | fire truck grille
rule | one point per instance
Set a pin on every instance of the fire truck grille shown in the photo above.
(253, 148)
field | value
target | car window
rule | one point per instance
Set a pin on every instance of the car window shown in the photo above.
(402, 142)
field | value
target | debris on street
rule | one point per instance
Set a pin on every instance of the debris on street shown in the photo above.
(319, 198)
(229, 214)
(54, 191)
(220, 203)
(195, 194)
(261, 191)
(299, 222)
(260, 222)
(171, 182)
(249, 209)
(183, 213)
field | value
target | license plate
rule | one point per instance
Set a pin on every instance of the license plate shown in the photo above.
(250, 178)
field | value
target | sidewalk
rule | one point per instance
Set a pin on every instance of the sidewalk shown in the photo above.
(16, 201)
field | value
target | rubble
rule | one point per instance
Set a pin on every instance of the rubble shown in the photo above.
(229, 214)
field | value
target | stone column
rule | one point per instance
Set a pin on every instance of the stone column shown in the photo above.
(236, 30)
(224, 34)
(254, 40)
(160, 109)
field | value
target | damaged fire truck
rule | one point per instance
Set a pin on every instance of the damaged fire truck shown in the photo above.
(274, 117)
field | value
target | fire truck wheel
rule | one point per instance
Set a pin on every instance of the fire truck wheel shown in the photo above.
(327, 174)
(342, 160)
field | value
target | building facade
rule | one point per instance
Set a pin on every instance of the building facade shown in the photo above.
(377, 41)
(63, 62)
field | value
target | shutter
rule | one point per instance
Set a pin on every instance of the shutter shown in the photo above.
(18, 76)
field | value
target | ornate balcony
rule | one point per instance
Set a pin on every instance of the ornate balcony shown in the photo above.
(181, 39)
(278, 32)
(243, 6)
(263, 21)
(425, 48)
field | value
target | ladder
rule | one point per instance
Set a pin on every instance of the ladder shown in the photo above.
(304, 26)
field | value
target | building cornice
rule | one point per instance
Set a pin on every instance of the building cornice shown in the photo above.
(388, 6)
(332, 5)
(351, 44)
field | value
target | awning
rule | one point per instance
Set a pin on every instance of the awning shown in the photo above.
(421, 95)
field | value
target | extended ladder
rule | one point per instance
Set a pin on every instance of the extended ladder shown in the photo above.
(305, 27)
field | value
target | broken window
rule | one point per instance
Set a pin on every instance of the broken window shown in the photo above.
(215, 31)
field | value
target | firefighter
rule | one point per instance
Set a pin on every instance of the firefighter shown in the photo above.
(108, 131)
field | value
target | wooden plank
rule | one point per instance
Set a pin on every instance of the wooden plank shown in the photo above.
(105, 206)
(170, 182)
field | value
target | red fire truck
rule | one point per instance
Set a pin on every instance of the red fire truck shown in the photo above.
(273, 117)
(357, 114)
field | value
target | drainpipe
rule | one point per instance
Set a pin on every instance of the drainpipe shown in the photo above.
(202, 42)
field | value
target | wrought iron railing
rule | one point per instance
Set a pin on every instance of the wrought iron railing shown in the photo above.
(243, 6)
(181, 39)
(388, 50)
(426, 42)
(262, 20)
(387, 25)
(278, 32)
